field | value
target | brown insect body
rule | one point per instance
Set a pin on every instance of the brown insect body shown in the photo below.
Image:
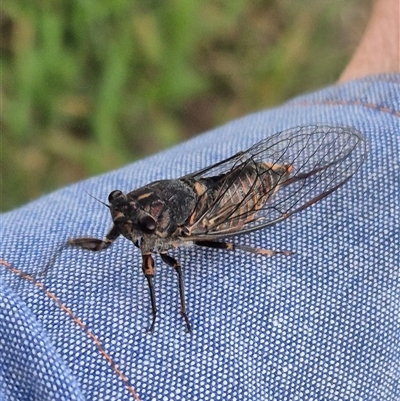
(179, 207)
(268, 183)
(225, 198)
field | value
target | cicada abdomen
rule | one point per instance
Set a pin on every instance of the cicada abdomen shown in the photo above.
(227, 202)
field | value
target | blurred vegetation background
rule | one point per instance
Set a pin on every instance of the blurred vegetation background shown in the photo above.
(88, 86)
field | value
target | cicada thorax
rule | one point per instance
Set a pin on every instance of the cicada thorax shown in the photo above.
(228, 201)
(168, 202)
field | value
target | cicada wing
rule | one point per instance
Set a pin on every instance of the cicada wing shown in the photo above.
(312, 161)
(221, 167)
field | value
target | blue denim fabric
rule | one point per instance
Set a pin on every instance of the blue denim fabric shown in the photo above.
(321, 325)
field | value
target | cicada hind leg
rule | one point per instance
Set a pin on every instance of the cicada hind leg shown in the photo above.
(231, 247)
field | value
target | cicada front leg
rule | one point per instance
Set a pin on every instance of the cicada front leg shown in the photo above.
(148, 271)
(95, 244)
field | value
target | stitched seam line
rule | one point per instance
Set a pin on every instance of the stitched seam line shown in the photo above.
(373, 106)
(78, 322)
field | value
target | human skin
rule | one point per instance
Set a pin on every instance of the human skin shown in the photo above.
(379, 49)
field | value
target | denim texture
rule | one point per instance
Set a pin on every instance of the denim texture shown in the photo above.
(321, 325)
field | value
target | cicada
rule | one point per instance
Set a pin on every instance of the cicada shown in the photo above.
(251, 190)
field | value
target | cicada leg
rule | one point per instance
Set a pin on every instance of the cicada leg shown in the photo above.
(95, 244)
(148, 271)
(231, 247)
(91, 244)
(177, 267)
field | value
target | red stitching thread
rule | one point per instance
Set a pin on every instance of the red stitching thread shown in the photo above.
(348, 103)
(77, 321)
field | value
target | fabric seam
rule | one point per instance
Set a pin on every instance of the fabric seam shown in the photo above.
(78, 322)
(337, 102)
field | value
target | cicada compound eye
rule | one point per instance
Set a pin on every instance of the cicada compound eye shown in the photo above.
(147, 224)
(114, 195)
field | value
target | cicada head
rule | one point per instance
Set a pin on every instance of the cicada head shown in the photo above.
(119, 207)
(129, 216)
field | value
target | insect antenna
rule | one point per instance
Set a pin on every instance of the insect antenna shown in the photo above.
(42, 274)
(98, 200)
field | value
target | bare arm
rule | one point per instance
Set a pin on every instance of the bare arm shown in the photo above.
(379, 50)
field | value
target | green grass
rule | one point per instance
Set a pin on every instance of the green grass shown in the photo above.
(88, 86)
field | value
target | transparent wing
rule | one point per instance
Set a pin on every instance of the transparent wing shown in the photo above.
(307, 163)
